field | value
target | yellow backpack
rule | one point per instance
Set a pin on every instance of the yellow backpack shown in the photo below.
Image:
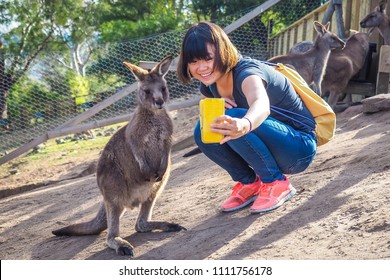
(322, 113)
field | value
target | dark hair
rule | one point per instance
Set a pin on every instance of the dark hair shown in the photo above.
(194, 46)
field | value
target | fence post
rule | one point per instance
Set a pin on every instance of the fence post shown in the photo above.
(383, 78)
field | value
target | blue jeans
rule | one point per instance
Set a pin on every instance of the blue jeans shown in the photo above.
(270, 151)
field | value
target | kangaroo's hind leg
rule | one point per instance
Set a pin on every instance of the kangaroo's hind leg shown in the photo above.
(144, 223)
(114, 241)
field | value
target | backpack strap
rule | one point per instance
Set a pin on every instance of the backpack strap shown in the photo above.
(269, 63)
(287, 114)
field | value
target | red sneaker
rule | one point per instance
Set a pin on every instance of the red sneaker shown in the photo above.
(242, 195)
(272, 195)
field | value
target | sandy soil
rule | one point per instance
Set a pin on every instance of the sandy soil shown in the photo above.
(341, 210)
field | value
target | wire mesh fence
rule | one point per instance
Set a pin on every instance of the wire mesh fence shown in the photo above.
(48, 95)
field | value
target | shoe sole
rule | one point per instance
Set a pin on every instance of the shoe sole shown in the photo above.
(246, 203)
(286, 198)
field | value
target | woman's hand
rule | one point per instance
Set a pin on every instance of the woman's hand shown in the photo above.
(232, 128)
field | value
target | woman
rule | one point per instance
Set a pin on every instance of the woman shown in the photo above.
(261, 142)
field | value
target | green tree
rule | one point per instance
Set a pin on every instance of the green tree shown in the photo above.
(29, 25)
(124, 20)
(287, 12)
(215, 10)
(26, 98)
(75, 24)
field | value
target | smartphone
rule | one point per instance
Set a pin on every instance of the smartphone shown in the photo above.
(210, 108)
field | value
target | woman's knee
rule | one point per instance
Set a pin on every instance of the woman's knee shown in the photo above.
(204, 147)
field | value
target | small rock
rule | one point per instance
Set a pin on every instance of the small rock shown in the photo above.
(376, 103)
(14, 171)
(60, 141)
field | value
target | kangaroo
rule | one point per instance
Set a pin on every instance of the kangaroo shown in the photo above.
(312, 63)
(343, 65)
(301, 47)
(378, 18)
(134, 166)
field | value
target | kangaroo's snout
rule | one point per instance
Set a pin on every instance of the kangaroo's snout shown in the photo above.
(159, 103)
(343, 44)
(363, 24)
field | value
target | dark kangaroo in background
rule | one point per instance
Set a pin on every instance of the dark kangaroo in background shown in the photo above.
(134, 166)
(312, 63)
(342, 65)
(378, 18)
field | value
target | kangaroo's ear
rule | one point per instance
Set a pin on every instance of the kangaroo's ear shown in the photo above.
(327, 25)
(163, 67)
(321, 29)
(138, 72)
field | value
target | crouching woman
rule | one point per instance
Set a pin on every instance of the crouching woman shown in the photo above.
(261, 143)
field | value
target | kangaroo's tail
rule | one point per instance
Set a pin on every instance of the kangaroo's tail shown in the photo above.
(95, 226)
(193, 152)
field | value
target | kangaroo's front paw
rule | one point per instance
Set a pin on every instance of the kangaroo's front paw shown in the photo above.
(158, 177)
(147, 173)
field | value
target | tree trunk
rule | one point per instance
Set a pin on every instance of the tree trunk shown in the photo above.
(3, 88)
(3, 104)
(6, 82)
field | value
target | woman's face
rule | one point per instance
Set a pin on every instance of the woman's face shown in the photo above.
(202, 69)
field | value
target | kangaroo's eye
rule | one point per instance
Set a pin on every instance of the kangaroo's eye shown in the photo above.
(147, 91)
(163, 89)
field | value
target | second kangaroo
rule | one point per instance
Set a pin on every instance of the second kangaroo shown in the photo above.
(135, 164)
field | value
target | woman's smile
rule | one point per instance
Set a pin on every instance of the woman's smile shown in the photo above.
(206, 75)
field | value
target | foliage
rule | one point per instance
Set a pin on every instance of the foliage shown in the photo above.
(123, 30)
(27, 98)
(30, 30)
(29, 25)
(121, 21)
(103, 84)
(79, 87)
(278, 19)
(217, 9)
(29, 94)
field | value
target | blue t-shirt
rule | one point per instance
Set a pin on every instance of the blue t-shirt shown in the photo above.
(280, 92)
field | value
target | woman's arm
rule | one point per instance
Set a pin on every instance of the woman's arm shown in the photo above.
(257, 98)
(259, 109)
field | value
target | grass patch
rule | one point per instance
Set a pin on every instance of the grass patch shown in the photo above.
(51, 153)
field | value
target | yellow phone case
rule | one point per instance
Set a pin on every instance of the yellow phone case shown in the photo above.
(210, 108)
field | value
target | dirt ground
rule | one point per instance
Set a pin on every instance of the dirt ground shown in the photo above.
(341, 210)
